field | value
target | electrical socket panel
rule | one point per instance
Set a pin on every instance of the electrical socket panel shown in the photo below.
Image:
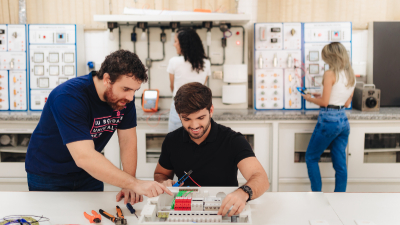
(327, 32)
(292, 79)
(269, 89)
(292, 34)
(54, 57)
(13, 85)
(4, 90)
(18, 93)
(268, 36)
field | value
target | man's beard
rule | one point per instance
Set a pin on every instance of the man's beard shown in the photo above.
(202, 134)
(112, 101)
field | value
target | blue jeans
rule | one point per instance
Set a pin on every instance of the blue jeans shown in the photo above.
(80, 181)
(332, 130)
(174, 121)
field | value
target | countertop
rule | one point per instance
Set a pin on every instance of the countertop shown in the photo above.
(236, 115)
(283, 208)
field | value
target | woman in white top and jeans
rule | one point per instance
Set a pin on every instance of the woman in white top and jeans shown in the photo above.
(333, 127)
(191, 66)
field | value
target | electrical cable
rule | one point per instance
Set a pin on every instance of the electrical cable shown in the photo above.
(15, 217)
(194, 181)
(159, 117)
(229, 35)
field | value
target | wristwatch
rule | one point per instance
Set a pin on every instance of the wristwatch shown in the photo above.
(248, 190)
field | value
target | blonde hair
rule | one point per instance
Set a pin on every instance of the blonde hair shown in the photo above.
(335, 54)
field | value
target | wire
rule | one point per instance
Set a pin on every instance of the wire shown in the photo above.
(14, 217)
(159, 117)
(194, 181)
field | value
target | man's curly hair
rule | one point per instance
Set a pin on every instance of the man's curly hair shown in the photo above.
(123, 62)
(192, 48)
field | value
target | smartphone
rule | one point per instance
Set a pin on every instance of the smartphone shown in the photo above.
(301, 90)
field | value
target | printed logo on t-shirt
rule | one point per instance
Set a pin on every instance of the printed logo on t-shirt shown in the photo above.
(107, 123)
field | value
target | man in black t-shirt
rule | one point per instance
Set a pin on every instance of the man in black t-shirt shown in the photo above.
(212, 151)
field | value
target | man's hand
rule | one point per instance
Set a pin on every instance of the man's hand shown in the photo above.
(150, 188)
(168, 183)
(236, 200)
(129, 195)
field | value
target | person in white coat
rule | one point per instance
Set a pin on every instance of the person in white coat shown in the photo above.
(191, 65)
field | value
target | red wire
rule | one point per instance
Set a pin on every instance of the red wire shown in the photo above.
(194, 181)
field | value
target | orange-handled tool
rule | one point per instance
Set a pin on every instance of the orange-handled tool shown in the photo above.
(107, 215)
(119, 213)
(96, 218)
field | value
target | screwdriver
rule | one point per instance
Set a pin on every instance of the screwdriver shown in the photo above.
(129, 206)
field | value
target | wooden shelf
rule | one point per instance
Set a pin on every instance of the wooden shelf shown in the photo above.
(200, 17)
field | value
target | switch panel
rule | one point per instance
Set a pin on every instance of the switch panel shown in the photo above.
(327, 32)
(52, 34)
(16, 38)
(292, 36)
(279, 59)
(13, 85)
(38, 98)
(3, 38)
(268, 36)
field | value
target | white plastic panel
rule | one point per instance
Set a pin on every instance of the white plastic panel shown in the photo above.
(16, 35)
(234, 94)
(235, 73)
(38, 98)
(52, 34)
(292, 81)
(268, 36)
(327, 32)
(3, 37)
(4, 90)
(18, 93)
(13, 61)
(50, 61)
(279, 58)
(292, 36)
(269, 89)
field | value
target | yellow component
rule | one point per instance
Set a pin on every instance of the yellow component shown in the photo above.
(290, 102)
(290, 77)
(290, 90)
(15, 92)
(15, 80)
(292, 32)
(275, 75)
(15, 104)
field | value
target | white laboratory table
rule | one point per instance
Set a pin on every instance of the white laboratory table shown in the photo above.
(378, 208)
(67, 207)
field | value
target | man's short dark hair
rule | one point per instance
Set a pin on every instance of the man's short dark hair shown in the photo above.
(192, 97)
(123, 62)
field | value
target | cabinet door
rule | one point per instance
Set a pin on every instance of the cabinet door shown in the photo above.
(259, 138)
(293, 142)
(374, 151)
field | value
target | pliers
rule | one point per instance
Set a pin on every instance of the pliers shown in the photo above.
(96, 218)
(119, 220)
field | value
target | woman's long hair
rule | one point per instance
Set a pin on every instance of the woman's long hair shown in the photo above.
(192, 48)
(335, 54)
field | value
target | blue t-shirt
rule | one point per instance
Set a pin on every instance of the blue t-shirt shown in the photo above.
(73, 112)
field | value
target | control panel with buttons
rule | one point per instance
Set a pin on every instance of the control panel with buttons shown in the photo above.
(13, 85)
(53, 59)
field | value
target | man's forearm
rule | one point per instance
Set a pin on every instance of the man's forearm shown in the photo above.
(259, 184)
(129, 160)
(107, 172)
(161, 177)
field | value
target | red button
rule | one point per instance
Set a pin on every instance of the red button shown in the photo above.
(44, 36)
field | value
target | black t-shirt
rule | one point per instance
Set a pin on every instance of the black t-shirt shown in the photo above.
(213, 162)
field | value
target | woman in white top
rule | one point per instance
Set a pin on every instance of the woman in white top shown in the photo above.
(191, 65)
(332, 129)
